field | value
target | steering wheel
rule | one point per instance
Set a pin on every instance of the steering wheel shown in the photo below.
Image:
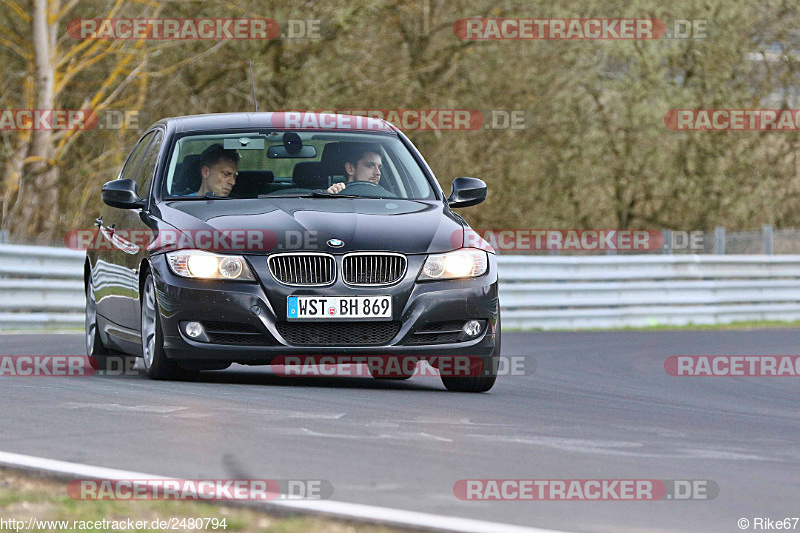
(368, 188)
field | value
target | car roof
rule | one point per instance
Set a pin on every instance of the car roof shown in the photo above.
(290, 120)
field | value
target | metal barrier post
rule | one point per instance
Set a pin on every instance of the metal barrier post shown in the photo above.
(766, 235)
(719, 240)
(666, 239)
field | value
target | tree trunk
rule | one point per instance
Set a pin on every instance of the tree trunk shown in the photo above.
(14, 185)
(38, 217)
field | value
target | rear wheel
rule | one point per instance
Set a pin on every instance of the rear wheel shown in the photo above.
(156, 363)
(485, 378)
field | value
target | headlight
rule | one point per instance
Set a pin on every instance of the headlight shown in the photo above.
(463, 263)
(205, 265)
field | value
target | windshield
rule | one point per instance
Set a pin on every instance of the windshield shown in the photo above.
(291, 164)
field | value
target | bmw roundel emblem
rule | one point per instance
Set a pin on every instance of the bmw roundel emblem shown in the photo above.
(335, 243)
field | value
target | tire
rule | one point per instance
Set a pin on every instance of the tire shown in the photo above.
(99, 355)
(156, 363)
(486, 379)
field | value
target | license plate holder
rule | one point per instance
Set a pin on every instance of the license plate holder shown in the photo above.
(338, 308)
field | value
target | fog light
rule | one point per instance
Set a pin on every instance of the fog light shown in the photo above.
(472, 328)
(194, 329)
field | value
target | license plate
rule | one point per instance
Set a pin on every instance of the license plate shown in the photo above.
(337, 307)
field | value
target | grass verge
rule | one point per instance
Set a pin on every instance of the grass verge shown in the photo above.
(25, 495)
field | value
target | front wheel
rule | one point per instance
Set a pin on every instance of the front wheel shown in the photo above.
(156, 363)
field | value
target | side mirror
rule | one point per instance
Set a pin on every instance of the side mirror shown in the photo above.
(466, 192)
(122, 194)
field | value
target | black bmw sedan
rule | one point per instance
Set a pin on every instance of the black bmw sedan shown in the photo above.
(251, 237)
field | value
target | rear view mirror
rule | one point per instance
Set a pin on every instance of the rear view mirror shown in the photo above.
(122, 194)
(244, 143)
(293, 147)
(280, 152)
(466, 192)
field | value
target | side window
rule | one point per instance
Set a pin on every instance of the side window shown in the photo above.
(129, 170)
(148, 166)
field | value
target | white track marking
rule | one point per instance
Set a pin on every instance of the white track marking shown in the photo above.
(351, 511)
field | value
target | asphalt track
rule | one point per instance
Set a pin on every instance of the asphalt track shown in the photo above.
(598, 406)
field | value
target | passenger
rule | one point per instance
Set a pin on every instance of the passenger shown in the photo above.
(219, 168)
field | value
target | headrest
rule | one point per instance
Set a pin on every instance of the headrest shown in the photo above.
(187, 176)
(251, 183)
(308, 175)
(334, 156)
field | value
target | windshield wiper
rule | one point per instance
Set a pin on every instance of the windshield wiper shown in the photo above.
(318, 193)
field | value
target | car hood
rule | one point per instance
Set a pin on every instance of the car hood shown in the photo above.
(406, 226)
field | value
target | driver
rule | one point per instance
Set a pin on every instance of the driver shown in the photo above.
(219, 168)
(364, 165)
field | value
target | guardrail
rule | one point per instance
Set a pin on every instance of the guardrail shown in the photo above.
(647, 290)
(43, 287)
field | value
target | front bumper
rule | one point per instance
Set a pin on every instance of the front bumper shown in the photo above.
(262, 306)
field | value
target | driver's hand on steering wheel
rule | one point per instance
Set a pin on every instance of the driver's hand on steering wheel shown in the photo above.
(336, 187)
